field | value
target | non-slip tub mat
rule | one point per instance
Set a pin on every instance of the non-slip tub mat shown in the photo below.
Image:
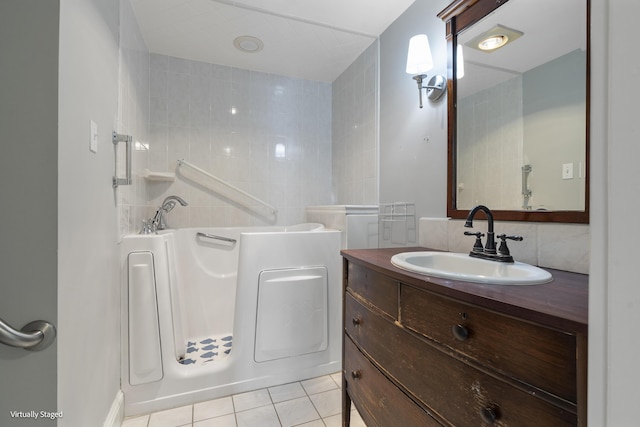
(200, 351)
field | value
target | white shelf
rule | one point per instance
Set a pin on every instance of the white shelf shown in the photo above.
(159, 176)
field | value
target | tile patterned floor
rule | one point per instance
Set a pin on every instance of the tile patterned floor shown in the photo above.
(311, 403)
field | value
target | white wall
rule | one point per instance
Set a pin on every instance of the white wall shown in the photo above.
(412, 169)
(489, 147)
(614, 291)
(88, 291)
(28, 218)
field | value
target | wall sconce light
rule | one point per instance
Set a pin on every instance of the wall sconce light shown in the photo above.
(419, 61)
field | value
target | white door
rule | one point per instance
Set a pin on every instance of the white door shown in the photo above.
(28, 203)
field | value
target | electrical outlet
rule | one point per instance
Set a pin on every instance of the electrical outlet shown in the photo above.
(567, 171)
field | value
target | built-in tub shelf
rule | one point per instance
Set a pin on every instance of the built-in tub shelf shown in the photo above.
(153, 176)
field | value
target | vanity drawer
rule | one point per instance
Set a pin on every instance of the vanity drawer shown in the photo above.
(380, 402)
(379, 290)
(536, 355)
(454, 390)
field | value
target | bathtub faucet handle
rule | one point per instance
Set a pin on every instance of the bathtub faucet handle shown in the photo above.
(148, 226)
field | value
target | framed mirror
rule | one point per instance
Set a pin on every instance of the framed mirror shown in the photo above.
(518, 109)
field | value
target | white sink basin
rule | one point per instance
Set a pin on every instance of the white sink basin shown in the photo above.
(458, 266)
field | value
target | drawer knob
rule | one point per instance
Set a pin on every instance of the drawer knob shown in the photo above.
(355, 375)
(489, 415)
(356, 321)
(460, 332)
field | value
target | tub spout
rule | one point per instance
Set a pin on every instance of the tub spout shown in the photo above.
(159, 221)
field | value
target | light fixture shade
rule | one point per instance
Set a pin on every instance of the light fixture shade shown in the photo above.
(419, 59)
(459, 62)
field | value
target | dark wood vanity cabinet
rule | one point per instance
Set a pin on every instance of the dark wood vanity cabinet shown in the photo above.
(429, 352)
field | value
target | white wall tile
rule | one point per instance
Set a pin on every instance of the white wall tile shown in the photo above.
(564, 246)
(189, 117)
(354, 131)
(433, 233)
(558, 246)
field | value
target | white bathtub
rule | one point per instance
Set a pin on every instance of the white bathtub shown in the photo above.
(204, 317)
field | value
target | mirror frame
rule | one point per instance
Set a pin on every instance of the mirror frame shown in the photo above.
(458, 16)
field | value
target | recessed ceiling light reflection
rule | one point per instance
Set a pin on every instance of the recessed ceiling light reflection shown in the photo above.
(493, 39)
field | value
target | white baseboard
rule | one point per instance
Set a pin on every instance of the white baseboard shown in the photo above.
(116, 413)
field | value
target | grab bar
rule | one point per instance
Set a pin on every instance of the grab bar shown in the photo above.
(214, 237)
(34, 336)
(272, 210)
(127, 139)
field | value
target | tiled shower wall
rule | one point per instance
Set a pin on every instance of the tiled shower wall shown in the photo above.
(265, 134)
(268, 135)
(355, 131)
(133, 115)
(488, 160)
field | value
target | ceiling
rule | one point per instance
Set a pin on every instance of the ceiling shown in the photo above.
(309, 39)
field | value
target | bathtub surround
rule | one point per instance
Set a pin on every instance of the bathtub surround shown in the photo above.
(559, 246)
(268, 135)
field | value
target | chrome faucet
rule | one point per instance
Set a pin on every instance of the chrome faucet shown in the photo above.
(489, 250)
(159, 221)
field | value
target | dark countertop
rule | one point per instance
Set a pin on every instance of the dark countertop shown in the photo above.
(561, 303)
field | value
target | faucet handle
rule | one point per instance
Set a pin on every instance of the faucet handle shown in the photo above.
(503, 237)
(148, 226)
(503, 250)
(477, 246)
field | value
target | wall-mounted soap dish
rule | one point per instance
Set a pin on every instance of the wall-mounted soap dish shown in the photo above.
(153, 176)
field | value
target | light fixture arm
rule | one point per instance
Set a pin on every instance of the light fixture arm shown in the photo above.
(436, 87)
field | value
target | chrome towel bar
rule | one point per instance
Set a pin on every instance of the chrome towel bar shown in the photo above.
(214, 237)
(34, 336)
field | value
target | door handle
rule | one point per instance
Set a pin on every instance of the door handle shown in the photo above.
(34, 336)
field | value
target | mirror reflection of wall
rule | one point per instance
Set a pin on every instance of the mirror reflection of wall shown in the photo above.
(554, 132)
(537, 119)
(490, 139)
(521, 127)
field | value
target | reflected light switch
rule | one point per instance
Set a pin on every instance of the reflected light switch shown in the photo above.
(567, 171)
